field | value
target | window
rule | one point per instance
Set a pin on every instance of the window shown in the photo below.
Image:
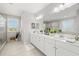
(13, 24)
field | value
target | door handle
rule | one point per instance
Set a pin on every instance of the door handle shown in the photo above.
(69, 41)
(56, 48)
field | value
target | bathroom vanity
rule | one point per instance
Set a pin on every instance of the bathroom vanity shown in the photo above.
(56, 44)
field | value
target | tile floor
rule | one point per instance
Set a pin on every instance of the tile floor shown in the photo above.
(17, 48)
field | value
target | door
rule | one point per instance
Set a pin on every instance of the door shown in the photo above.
(49, 47)
(65, 49)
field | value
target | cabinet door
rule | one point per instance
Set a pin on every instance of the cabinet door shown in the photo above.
(41, 43)
(49, 46)
(36, 42)
(67, 46)
(33, 39)
(50, 50)
(63, 52)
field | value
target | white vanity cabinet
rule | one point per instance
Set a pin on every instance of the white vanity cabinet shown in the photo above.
(44, 44)
(52, 46)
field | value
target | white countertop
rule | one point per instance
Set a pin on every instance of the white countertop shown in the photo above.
(57, 36)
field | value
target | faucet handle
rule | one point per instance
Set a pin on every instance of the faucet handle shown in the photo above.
(77, 38)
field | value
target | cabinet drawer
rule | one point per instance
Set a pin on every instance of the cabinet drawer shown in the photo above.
(49, 50)
(67, 46)
(49, 40)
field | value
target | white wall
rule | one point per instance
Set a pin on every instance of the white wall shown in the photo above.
(26, 20)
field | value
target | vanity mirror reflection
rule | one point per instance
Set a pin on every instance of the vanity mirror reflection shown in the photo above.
(68, 26)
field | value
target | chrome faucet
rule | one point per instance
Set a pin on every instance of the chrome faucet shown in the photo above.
(77, 37)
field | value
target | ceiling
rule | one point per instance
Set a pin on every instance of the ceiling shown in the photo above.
(38, 9)
(18, 8)
(48, 9)
(48, 15)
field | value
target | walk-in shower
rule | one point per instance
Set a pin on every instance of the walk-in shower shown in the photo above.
(3, 30)
(9, 27)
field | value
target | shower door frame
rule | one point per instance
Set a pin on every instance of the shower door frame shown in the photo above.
(5, 29)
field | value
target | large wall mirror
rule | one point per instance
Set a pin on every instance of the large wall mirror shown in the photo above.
(70, 25)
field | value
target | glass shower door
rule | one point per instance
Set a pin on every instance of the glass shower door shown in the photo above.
(3, 29)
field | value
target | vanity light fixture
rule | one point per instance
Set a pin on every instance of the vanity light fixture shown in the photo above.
(56, 9)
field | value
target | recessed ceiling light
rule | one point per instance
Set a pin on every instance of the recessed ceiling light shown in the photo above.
(39, 17)
(69, 4)
(63, 6)
(56, 9)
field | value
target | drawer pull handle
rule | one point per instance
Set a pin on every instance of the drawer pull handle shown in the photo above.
(69, 42)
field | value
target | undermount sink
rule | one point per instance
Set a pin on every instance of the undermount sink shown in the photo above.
(64, 38)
